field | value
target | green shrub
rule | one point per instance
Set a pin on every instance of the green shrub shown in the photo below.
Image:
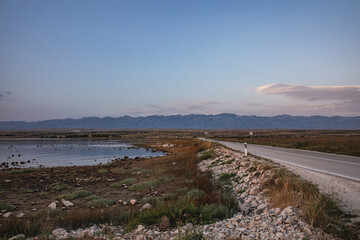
(6, 207)
(169, 196)
(228, 162)
(195, 234)
(132, 171)
(150, 183)
(99, 203)
(207, 155)
(118, 171)
(60, 187)
(29, 191)
(152, 200)
(182, 191)
(180, 212)
(139, 171)
(74, 195)
(195, 193)
(115, 185)
(128, 181)
(144, 185)
(91, 197)
(103, 171)
(226, 176)
(19, 171)
(216, 211)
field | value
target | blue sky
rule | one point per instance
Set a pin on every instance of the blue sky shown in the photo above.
(63, 59)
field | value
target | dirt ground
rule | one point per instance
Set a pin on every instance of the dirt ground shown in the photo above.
(32, 191)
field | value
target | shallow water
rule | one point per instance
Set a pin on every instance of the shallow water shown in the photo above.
(75, 152)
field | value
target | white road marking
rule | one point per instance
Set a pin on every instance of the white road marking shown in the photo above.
(309, 168)
(308, 156)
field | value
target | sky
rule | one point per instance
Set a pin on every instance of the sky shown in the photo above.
(74, 59)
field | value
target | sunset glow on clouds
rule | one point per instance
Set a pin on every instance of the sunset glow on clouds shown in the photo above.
(339, 100)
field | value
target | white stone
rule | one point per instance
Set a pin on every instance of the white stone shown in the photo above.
(6, 215)
(20, 215)
(133, 201)
(18, 237)
(67, 203)
(60, 233)
(279, 235)
(140, 228)
(307, 230)
(147, 206)
(52, 205)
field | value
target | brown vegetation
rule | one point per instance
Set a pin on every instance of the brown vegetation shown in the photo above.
(319, 210)
(170, 177)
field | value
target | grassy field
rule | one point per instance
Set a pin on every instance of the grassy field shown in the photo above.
(345, 142)
(172, 184)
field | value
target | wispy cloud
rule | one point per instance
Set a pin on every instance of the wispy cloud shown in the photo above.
(206, 107)
(340, 100)
(313, 93)
(201, 105)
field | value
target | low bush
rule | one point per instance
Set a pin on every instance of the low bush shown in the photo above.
(103, 171)
(99, 203)
(6, 207)
(150, 183)
(226, 176)
(19, 171)
(207, 155)
(128, 181)
(60, 187)
(195, 193)
(115, 185)
(74, 195)
(91, 197)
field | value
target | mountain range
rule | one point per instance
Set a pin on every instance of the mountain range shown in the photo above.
(193, 121)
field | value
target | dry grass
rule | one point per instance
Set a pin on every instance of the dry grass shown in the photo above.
(332, 141)
(177, 170)
(318, 209)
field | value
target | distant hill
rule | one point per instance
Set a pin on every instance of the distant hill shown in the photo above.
(193, 121)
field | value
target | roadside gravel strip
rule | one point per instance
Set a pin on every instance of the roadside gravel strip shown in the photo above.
(255, 219)
(328, 174)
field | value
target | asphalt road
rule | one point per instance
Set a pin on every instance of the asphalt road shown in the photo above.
(338, 165)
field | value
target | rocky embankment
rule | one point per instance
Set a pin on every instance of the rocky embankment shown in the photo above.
(255, 219)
